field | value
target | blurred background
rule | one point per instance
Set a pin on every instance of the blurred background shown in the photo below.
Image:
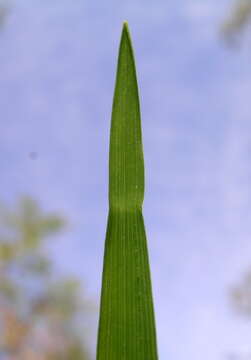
(57, 72)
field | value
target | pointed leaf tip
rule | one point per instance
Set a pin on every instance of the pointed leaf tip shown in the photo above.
(125, 30)
(126, 175)
(125, 25)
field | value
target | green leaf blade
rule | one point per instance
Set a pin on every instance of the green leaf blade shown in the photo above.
(126, 170)
(126, 325)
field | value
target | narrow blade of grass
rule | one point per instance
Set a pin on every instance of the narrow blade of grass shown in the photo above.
(126, 324)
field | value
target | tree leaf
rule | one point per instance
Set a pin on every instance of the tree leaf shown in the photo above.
(126, 324)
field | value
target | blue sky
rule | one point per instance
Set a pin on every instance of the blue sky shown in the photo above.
(57, 76)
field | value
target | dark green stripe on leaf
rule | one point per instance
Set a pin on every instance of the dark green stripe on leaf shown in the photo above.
(126, 324)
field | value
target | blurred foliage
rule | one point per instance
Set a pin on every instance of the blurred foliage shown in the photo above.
(241, 300)
(4, 9)
(237, 21)
(42, 316)
(241, 296)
